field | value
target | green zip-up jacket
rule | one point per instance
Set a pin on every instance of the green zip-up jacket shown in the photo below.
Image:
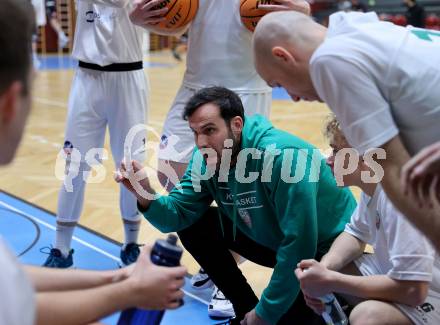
(298, 217)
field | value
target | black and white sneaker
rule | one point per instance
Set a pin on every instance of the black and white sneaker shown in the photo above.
(219, 306)
(201, 280)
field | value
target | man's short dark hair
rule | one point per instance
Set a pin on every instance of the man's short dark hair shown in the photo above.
(17, 23)
(228, 102)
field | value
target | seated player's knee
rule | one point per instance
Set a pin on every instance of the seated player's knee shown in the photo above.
(371, 312)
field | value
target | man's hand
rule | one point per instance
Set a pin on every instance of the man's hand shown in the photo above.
(417, 175)
(145, 15)
(279, 5)
(135, 179)
(315, 304)
(315, 279)
(155, 287)
(251, 318)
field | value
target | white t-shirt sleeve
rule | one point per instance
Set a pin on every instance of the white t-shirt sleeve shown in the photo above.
(17, 306)
(411, 255)
(351, 93)
(358, 227)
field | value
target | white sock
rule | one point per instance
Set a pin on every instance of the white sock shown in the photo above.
(61, 34)
(131, 231)
(64, 236)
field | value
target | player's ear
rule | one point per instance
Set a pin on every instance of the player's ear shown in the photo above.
(282, 55)
(10, 102)
(237, 124)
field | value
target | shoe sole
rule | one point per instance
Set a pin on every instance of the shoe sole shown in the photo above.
(221, 314)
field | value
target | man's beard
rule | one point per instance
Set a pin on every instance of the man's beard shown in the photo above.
(235, 150)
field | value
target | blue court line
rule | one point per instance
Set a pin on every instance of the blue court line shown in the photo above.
(27, 228)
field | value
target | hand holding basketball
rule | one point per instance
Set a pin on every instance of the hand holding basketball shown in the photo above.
(251, 11)
(146, 13)
(164, 14)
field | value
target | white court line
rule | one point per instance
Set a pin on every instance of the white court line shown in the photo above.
(50, 102)
(88, 245)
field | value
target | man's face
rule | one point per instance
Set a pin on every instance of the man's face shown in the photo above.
(14, 111)
(294, 77)
(338, 143)
(211, 131)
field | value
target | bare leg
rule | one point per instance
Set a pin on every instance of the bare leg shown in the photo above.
(377, 312)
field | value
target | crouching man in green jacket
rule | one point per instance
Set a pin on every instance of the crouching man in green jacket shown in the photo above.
(277, 203)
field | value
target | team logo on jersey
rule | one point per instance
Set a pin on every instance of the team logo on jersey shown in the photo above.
(91, 16)
(163, 141)
(246, 217)
(68, 147)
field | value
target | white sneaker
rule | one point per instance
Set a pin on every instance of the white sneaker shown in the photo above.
(201, 280)
(219, 306)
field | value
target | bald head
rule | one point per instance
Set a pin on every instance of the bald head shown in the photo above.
(291, 30)
(283, 44)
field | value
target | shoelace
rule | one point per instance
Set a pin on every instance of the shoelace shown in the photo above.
(219, 295)
(46, 249)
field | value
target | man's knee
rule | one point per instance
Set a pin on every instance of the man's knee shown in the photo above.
(373, 312)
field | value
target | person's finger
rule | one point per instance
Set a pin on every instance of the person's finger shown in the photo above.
(304, 264)
(420, 194)
(433, 193)
(117, 176)
(174, 305)
(177, 295)
(269, 7)
(428, 165)
(145, 254)
(407, 170)
(151, 4)
(299, 273)
(177, 284)
(154, 20)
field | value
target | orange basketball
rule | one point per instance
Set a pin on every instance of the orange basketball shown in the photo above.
(250, 14)
(180, 13)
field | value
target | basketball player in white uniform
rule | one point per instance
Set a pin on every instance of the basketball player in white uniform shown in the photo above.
(109, 88)
(40, 19)
(219, 53)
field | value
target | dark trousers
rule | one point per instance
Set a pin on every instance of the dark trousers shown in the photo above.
(205, 241)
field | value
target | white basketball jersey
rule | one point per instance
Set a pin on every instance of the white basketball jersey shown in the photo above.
(105, 35)
(220, 49)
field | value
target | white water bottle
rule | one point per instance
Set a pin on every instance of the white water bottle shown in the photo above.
(333, 314)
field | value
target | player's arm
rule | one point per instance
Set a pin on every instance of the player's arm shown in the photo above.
(318, 281)
(48, 279)
(148, 286)
(344, 250)
(183, 206)
(421, 216)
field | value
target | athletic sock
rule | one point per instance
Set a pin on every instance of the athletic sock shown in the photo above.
(64, 234)
(131, 231)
